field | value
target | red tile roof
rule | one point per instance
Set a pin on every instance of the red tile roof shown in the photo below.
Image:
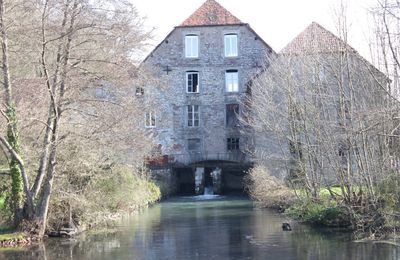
(315, 39)
(211, 13)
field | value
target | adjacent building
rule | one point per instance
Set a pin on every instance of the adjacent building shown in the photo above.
(325, 112)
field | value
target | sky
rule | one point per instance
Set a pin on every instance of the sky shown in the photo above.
(276, 21)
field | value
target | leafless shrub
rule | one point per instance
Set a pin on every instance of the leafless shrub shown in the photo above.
(268, 190)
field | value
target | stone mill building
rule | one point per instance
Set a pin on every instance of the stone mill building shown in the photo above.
(202, 70)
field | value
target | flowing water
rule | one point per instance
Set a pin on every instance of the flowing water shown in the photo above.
(207, 227)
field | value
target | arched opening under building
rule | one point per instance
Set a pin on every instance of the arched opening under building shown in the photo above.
(210, 177)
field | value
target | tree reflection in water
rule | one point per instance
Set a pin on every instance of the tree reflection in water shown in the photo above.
(223, 228)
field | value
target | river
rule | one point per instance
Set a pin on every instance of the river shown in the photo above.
(207, 227)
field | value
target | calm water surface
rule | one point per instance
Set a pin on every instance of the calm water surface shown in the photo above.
(207, 228)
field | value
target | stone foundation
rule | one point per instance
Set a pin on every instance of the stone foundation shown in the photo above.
(166, 180)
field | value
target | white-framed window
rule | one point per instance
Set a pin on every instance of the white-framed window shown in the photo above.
(231, 45)
(192, 82)
(193, 115)
(231, 81)
(191, 46)
(150, 119)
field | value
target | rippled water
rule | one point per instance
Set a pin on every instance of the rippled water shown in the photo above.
(207, 227)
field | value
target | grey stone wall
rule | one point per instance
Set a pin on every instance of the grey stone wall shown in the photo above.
(168, 97)
(165, 178)
(321, 81)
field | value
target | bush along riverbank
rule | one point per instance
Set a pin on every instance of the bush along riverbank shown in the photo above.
(368, 218)
(81, 202)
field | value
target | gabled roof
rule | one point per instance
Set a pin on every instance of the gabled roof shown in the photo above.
(211, 13)
(316, 39)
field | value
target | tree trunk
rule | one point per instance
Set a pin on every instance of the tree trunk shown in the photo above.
(43, 205)
(44, 158)
(12, 127)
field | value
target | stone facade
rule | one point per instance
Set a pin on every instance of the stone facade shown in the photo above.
(192, 111)
(169, 98)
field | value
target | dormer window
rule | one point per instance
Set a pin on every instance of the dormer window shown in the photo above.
(192, 82)
(191, 46)
(231, 45)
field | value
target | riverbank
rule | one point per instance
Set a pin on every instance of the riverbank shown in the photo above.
(11, 239)
(105, 200)
(201, 227)
(367, 217)
(17, 239)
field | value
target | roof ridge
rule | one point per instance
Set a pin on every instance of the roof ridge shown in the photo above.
(211, 13)
(315, 39)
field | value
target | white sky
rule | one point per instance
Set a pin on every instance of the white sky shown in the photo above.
(276, 21)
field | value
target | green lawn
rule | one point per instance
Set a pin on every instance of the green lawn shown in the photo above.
(324, 192)
(335, 190)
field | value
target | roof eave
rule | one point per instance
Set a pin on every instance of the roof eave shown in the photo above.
(210, 25)
(155, 48)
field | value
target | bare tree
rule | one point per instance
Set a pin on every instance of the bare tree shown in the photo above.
(332, 110)
(78, 47)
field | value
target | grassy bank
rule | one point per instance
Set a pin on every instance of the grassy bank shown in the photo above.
(371, 217)
(268, 191)
(83, 202)
(15, 239)
(112, 192)
(12, 235)
(325, 212)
